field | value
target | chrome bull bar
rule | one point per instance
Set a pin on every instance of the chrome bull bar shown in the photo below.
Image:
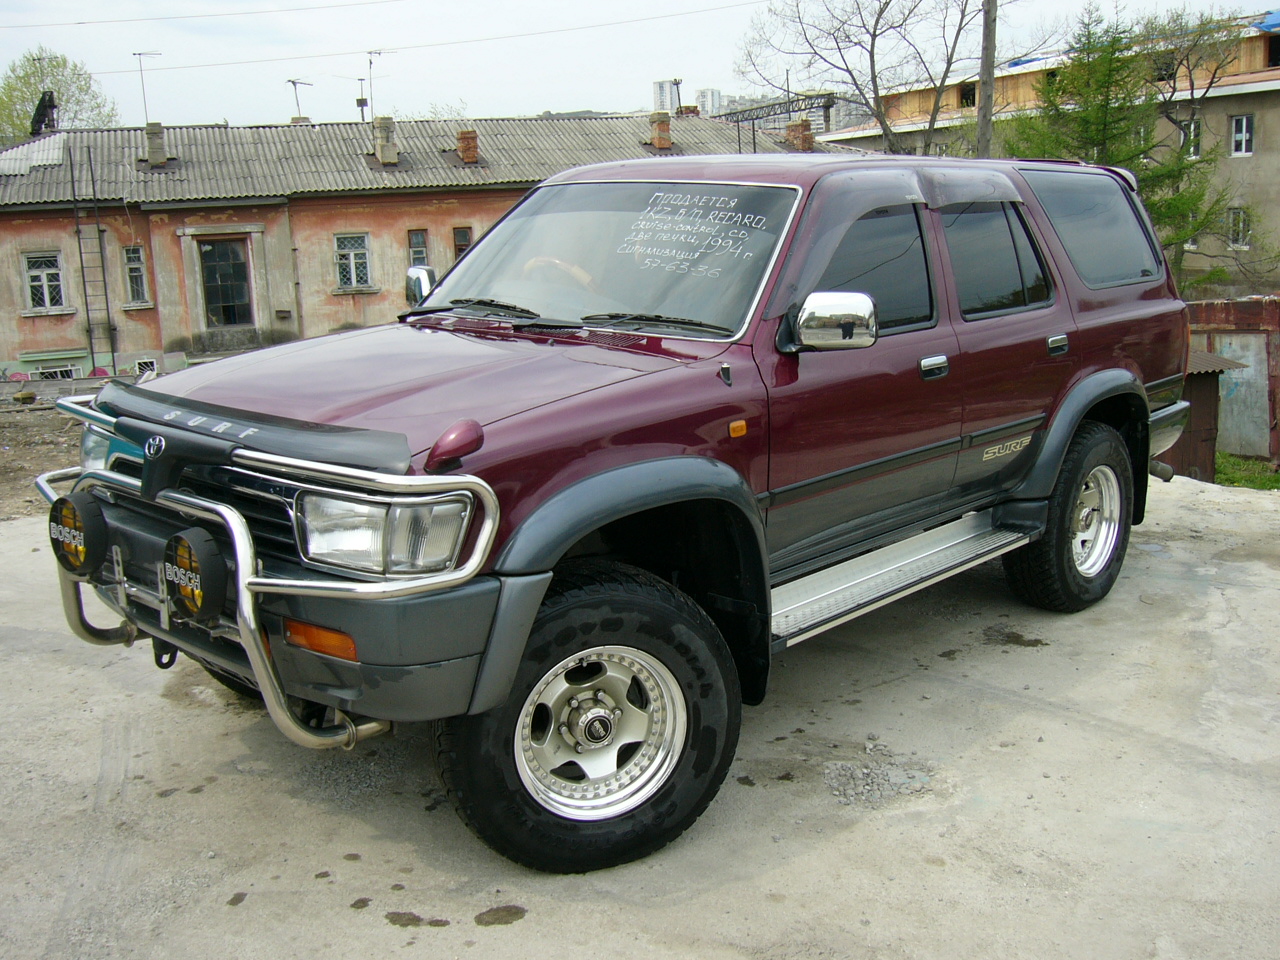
(249, 582)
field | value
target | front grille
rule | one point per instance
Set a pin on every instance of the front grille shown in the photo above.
(265, 504)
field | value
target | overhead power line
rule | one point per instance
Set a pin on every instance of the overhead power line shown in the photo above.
(446, 43)
(200, 16)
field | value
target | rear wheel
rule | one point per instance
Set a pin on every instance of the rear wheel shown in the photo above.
(1078, 559)
(618, 731)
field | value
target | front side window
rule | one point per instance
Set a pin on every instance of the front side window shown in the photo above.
(1242, 135)
(1098, 225)
(417, 248)
(135, 274)
(882, 255)
(44, 281)
(351, 254)
(1239, 229)
(996, 265)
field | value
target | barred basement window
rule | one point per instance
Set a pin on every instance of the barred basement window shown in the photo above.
(417, 248)
(44, 281)
(351, 254)
(58, 373)
(135, 275)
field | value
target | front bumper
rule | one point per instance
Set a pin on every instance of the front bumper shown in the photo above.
(421, 640)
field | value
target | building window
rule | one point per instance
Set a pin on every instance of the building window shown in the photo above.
(417, 248)
(352, 257)
(135, 274)
(224, 266)
(44, 281)
(1191, 138)
(1192, 244)
(58, 373)
(145, 366)
(1273, 50)
(1239, 229)
(461, 240)
(968, 94)
(1242, 135)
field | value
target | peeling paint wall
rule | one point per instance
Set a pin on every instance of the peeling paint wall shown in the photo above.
(1249, 399)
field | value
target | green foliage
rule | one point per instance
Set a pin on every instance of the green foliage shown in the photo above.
(1233, 471)
(81, 102)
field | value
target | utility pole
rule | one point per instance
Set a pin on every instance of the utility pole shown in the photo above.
(676, 83)
(987, 78)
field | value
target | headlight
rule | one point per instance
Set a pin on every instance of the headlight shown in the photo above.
(94, 446)
(396, 538)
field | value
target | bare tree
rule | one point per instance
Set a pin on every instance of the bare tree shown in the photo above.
(868, 49)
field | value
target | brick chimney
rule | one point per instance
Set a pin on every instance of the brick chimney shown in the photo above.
(660, 130)
(384, 141)
(156, 156)
(468, 146)
(799, 136)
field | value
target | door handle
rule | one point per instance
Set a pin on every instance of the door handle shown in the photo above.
(931, 368)
(1057, 344)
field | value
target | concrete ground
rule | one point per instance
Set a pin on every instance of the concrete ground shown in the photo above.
(954, 776)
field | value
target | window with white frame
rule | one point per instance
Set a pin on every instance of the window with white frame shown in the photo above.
(1191, 138)
(1239, 230)
(1242, 135)
(135, 275)
(1192, 244)
(68, 372)
(44, 281)
(351, 254)
(417, 248)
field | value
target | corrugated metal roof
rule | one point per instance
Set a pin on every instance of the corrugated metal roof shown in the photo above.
(225, 162)
(1201, 361)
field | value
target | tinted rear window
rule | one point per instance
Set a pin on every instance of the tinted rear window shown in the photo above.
(994, 260)
(1097, 225)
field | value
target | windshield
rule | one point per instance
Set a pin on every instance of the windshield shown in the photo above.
(642, 255)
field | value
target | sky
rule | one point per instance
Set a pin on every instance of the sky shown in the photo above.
(231, 60)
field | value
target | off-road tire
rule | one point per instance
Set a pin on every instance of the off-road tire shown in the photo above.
(1076, 562)
(599, 624)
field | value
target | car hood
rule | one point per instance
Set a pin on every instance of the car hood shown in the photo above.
(419, 380)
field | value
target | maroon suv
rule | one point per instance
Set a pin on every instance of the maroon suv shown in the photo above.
(668, 418)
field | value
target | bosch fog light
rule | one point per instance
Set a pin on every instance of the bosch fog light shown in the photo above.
(94, 447)
(426, 537)
(345, 533)
(195, 575)
(78, 532)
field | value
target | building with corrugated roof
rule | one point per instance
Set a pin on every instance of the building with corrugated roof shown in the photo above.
(119, 244)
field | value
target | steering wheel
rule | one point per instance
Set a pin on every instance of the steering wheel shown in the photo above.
(567, 270)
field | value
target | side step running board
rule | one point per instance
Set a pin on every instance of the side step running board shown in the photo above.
(806, 607)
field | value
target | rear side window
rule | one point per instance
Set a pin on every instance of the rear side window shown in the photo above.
(1097, 225)
(996, 265)
(882, 255)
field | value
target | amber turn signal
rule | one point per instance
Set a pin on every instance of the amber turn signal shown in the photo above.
(332, 643)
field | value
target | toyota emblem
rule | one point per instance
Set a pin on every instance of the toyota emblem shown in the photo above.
(154, 447)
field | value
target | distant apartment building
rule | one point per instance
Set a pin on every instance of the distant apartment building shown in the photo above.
(1240, 117)
(709, 101)
(665, 96)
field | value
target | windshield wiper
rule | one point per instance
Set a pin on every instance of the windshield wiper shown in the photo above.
(612, 319)
(486, 304)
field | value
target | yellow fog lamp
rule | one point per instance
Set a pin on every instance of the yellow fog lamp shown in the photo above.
(78, 532)
(195, 574)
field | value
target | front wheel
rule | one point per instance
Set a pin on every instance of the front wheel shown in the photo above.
(1078, 559)
(617, 734)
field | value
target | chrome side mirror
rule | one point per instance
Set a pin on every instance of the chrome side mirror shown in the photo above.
(418, 282)
(837, 321)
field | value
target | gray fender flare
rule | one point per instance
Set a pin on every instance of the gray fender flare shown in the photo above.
(534, 548)
(1093, 389)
